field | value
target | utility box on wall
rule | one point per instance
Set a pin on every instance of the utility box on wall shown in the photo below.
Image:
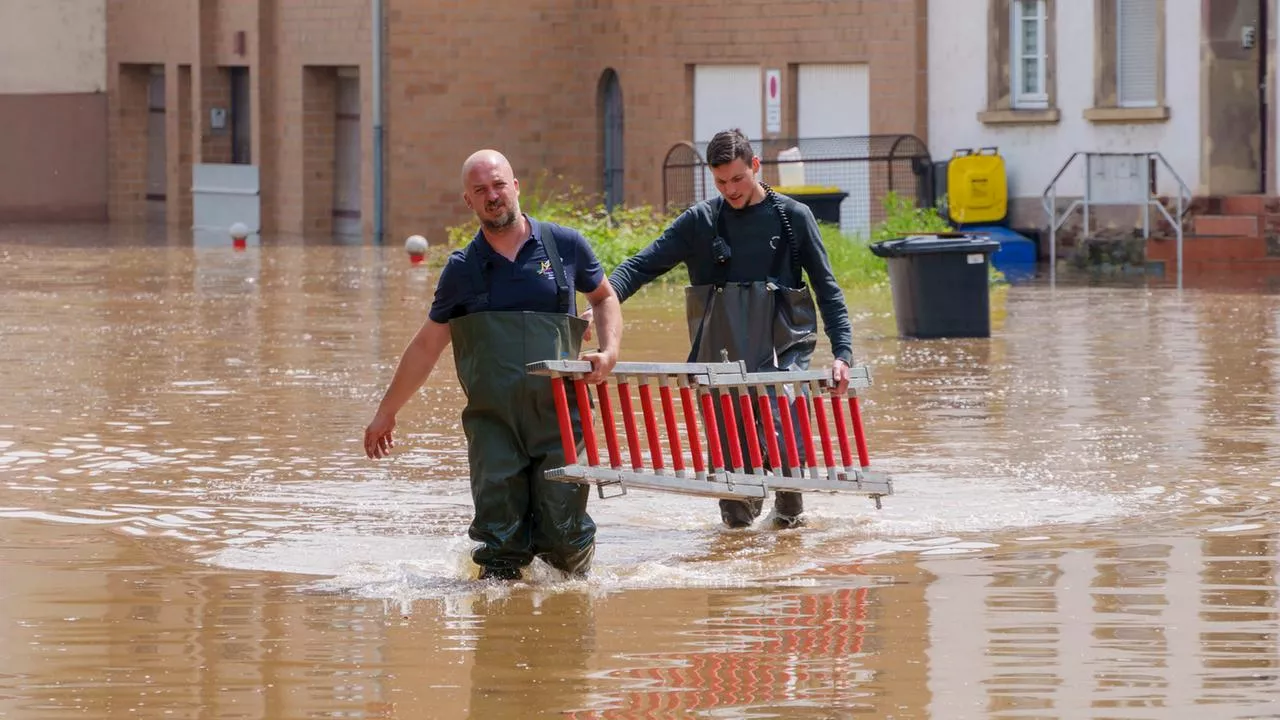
(225, 194)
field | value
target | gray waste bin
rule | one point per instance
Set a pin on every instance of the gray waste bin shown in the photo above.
(940, 284)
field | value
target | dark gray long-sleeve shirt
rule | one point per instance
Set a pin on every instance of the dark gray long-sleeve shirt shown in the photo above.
(751, 234)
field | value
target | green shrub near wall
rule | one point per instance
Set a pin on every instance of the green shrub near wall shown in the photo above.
(617, 236)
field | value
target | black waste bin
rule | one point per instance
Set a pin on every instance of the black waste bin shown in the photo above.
(824, 206)
(940, 284)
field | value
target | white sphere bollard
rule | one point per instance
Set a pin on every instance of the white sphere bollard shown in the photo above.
(239, 231)
(416, 246)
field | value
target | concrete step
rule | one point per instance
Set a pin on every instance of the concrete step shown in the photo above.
(1248, 204)
(1226, 225)
(1210, 248)
(1261, 274)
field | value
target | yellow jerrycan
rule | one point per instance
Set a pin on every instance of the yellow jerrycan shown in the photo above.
(977, 187)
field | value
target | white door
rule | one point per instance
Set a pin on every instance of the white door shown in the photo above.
(346, 171)
(157, 156)
(725, 97)
(835, 101)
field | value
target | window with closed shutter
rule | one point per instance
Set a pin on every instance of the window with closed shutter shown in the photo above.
(1137, 47)
(1029, 54)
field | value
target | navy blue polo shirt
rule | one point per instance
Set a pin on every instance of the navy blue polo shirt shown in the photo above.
(529, 283)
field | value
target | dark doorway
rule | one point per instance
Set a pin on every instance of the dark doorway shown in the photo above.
(241, 129)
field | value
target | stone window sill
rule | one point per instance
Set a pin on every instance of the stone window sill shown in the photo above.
(1047, 116)
(1127, 115)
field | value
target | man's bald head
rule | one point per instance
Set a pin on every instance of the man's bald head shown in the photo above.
(490, 189)
(485, 161)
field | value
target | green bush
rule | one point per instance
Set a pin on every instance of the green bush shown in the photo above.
(614, 237)
(903, 218)
(617, 236)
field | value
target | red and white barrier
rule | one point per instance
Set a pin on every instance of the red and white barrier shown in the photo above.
(676, 441)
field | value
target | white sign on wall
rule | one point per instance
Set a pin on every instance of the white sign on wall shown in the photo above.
(773, 101)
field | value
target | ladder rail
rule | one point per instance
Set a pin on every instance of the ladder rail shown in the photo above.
(733, 400)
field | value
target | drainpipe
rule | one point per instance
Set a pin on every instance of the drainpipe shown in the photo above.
(378, 226)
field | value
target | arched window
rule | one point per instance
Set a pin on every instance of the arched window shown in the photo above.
(611, 118)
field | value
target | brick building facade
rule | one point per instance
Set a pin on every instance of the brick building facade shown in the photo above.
(524, 77)
(272, 66)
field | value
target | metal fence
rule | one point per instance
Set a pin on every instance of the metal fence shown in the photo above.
(867, 167)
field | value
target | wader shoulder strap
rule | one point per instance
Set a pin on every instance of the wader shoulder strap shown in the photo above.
(719, 270)
(719, 274)
(788, 236)
(563, 299)
(479, 276)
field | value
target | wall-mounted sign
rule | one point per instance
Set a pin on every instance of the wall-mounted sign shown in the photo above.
(773, 101)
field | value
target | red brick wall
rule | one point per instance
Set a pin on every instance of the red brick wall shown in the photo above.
(127, 145)
(179, 135)
(519, 76)
(319, 107)
(150, 32)
(524, 76)
(280, 38)
(325, 33)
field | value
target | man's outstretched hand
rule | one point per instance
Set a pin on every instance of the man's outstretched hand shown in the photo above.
(377, 437)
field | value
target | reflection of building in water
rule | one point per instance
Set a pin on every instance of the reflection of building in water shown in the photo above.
(1153, 628)
(1238, 409)
(834, 648)
(796, 646)
(235, 646)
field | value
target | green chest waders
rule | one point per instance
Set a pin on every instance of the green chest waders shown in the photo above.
(513, 436)
(766, 325)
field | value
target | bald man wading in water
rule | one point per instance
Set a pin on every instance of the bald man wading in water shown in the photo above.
(506, 300)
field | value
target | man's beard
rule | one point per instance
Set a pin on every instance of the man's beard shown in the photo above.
(502, 223)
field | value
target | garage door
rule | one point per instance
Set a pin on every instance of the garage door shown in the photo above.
(835, 101)
(724, 97)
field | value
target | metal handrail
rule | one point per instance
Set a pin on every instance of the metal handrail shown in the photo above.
(1049, 201)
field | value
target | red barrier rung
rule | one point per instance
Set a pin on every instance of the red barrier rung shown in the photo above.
(824, 431)
(749, 427)
(842, 432)
(712, 428)
(691, 428)
(629, 424)
(610, 429)
(651, 426)
(673, 430)
(770, 434)
(731, 430)
(788, 433)
(562, 416)
(859, 435)
(806, 430)
(588, 426)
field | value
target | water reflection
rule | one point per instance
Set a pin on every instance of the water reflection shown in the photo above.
(188, 526)
(530, 655)
(1147, 629)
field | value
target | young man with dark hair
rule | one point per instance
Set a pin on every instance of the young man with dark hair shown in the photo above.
(747, 251)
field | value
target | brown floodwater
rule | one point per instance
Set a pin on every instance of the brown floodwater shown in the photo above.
(1085, 523)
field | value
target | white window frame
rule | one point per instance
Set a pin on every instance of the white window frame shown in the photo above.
(1022, 100)
(1154, 100)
